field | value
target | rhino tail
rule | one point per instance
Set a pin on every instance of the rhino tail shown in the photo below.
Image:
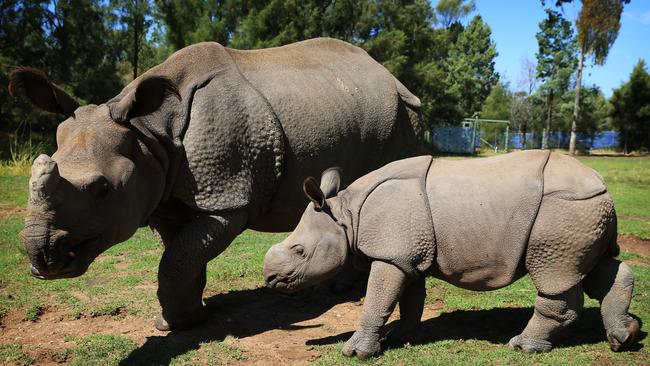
(614, 249)
(409, 98)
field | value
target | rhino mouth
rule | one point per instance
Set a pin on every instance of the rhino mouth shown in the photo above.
(281, 283)
(75, 262)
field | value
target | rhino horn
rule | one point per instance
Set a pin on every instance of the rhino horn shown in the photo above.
(45, 177)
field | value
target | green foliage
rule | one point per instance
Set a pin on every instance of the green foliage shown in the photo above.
(556, 56)
(598, 25)
(594, 111)
(451, 12)
(135, 18)
(556, 60)
(631, 109)
(471, 66)
(23, 153)
(498, 103)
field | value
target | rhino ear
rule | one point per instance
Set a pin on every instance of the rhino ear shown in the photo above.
(330, 181)
(41, 91)
(313, 192)
(146, 97)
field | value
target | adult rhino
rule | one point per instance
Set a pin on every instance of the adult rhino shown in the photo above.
(209, 143)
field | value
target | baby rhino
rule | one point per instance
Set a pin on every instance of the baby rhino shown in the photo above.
(479, 224)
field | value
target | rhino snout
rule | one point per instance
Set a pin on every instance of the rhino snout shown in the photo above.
(277, 268)
(52, 252)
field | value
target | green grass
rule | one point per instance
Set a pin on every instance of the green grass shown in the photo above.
(13, 354)
(628, 181)
(100, 349)
(211, 353)
(122, 282)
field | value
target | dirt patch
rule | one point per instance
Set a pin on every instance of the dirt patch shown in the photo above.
(270, 328)
(630, 243)
(7, 211)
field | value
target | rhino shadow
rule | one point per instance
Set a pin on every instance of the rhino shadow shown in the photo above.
(241, 314)
(496, 326)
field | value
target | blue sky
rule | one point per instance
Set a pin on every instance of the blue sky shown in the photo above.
(515, 22)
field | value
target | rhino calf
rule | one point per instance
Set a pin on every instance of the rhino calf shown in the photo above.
(479, 224)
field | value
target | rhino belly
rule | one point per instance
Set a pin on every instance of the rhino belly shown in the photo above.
(483, 211)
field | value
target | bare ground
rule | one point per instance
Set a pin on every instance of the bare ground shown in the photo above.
(276, 329)
(8, 211)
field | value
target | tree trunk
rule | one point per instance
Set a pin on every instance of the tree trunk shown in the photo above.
(576, 105)
(549, 117)
(136, 45)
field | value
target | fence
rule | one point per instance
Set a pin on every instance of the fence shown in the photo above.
(560, 140)
(457, 139)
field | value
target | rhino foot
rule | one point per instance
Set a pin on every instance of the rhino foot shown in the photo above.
(179, 324)
(621, 338)
(363, 345)
(529, 345)
(402, 334)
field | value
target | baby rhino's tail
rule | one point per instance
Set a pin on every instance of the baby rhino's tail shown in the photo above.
(613, 250)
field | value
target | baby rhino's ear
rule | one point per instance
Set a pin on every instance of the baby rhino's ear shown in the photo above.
(330, 181)
(313, 192)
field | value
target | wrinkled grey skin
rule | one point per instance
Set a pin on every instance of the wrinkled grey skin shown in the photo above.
(418, 217)
(201, 147)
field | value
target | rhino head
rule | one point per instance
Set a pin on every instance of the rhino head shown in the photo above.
(100, 185)
(317, 249)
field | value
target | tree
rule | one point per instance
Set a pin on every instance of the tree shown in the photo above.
(135, 16)
(631, 109)
(497, 105)
(471, 74)
(598, 25)
(522, 105)
(72, 41)
(449, 12)
(555, 60)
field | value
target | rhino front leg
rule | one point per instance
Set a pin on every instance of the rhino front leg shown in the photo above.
(182, 271)
(552, 314)
(385, 285)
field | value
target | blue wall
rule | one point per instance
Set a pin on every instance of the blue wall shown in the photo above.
(600, 140)
(457, 139)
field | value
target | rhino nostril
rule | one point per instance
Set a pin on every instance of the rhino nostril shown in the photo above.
(270, 279)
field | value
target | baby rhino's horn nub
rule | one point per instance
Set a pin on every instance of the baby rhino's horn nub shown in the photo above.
(45, 176)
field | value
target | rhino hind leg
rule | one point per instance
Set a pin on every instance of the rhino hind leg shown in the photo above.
(552, 314)
(611, 283)
(411, 306)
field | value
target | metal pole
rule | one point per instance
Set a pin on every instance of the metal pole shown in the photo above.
(507, 130)
(473, 143)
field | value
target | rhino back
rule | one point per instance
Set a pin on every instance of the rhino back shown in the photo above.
(337, 107)
(483, 211)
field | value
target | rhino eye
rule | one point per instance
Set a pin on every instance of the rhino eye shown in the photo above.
(298, 249)
(99, 187)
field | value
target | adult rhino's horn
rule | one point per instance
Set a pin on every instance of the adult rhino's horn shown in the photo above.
(45, 177)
